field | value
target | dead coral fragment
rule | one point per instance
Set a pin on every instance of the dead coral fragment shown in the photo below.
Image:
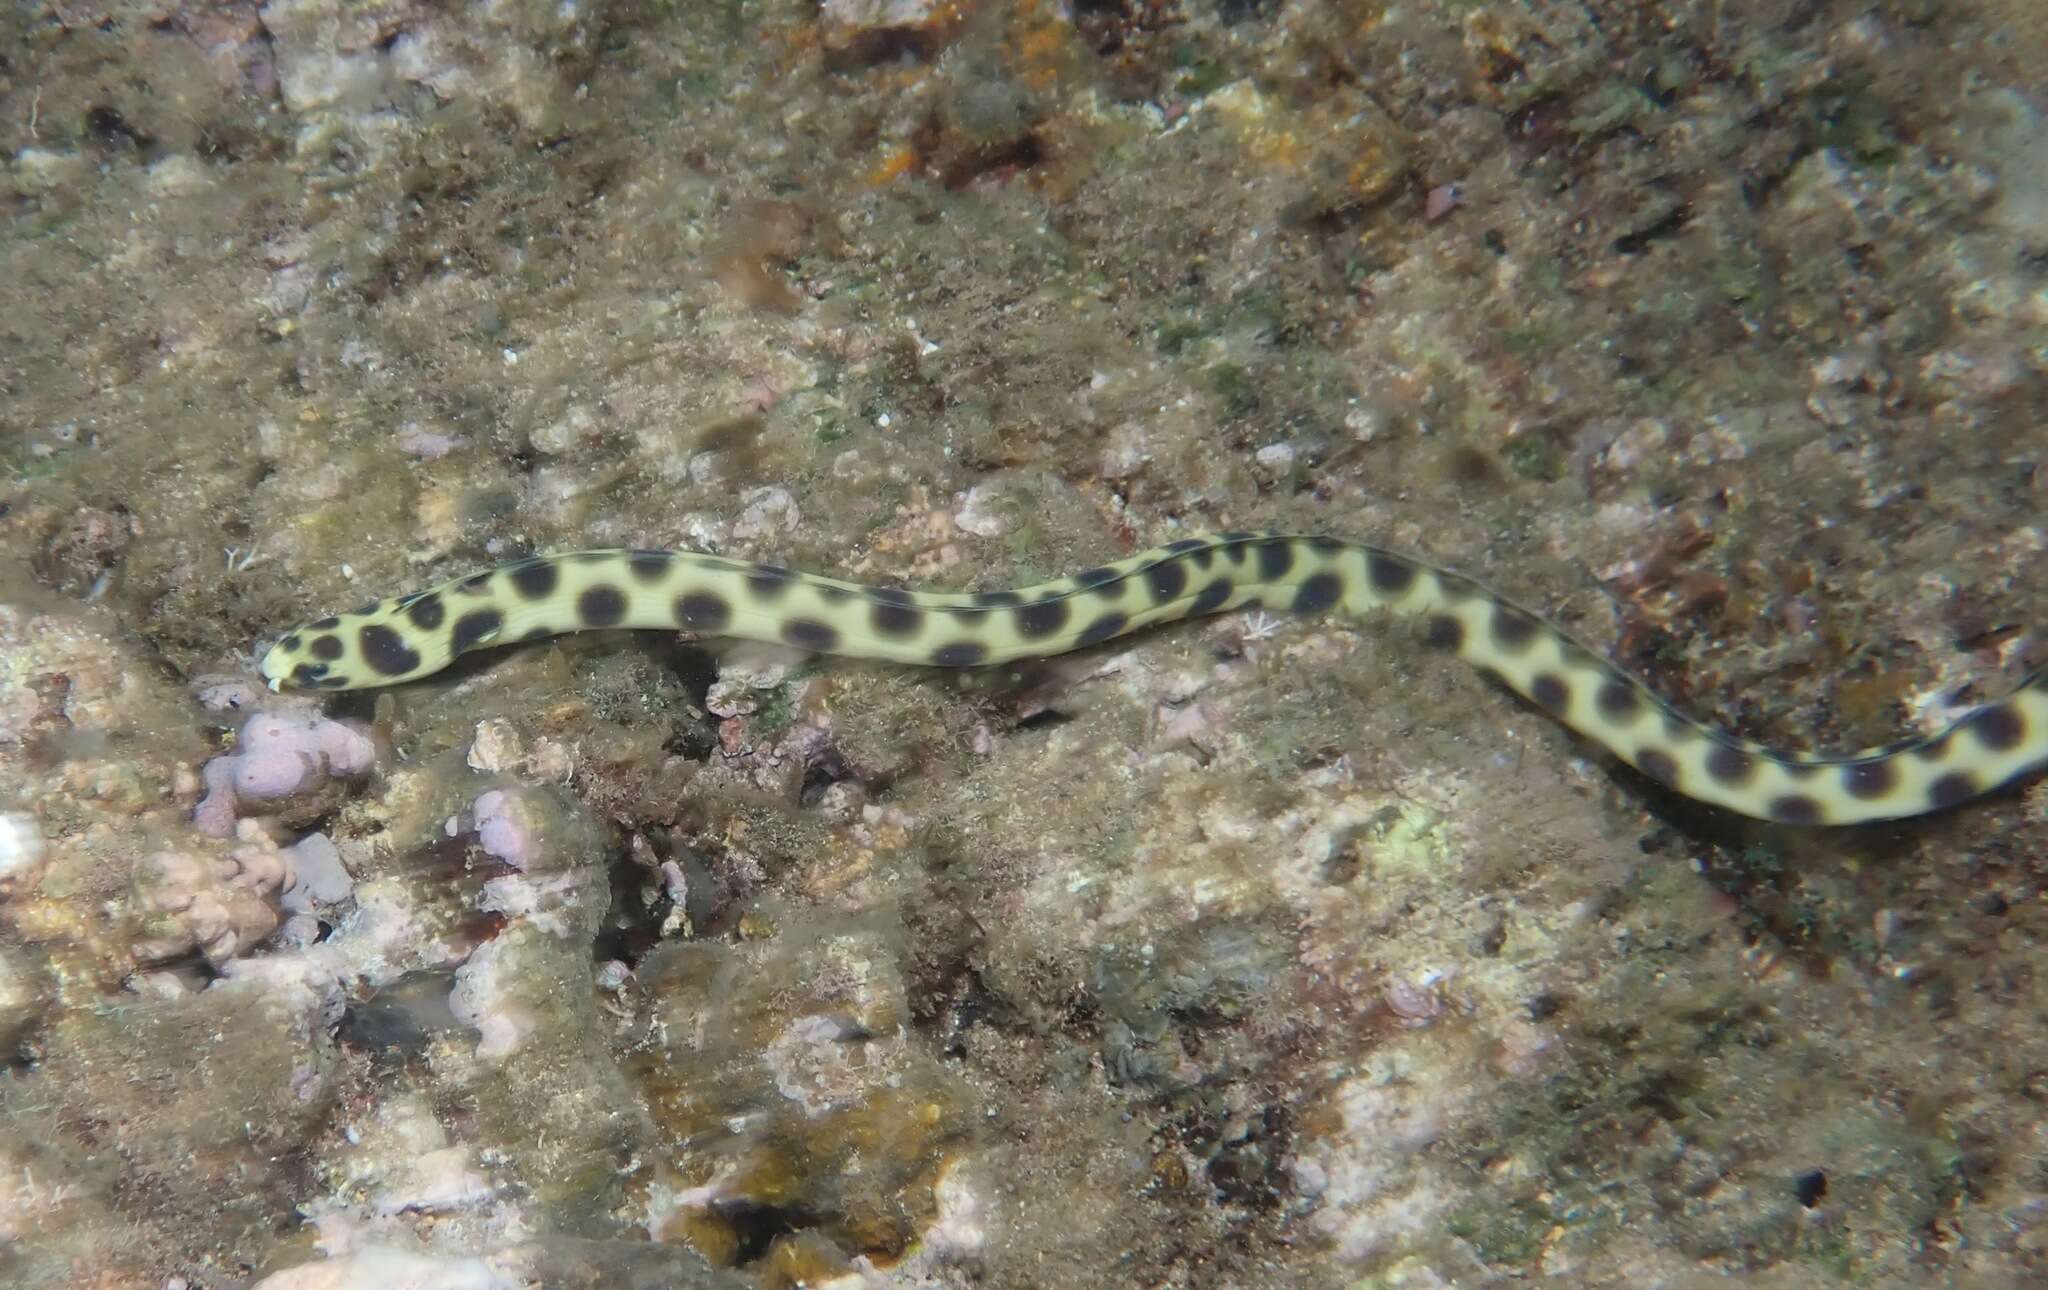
(557, 1261)
(859, 33)
(222, 906)
(861, 1122)
(1337, 155)
(25, 995)
(219, 907)
(505, 828)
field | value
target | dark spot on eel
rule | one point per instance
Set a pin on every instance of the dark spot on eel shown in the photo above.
(1999, 728)
(1167, 580)
(1550, 692)
(1212, 597)
(1618, 699)
(1795, 808)
(1318, 593)
(649, 566)
(809, 633)
(959, 654)
(537, 579)
(1512, 629)
(427, 612)
(1274, 559)
(1043, 618)
(1658, 765)
(1730, 765)
(475, 627)
(1952, 789)
(1102, 629)
(891, 618)
(386, 651)
(702, 611)
(769, 581)
(1390, 575)
(600, 606)
(1868, 780)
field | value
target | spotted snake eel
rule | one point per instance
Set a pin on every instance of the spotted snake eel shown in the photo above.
(412, 636)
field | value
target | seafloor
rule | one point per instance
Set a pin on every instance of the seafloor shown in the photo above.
(1244, 954)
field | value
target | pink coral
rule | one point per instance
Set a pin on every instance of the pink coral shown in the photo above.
(278, 754)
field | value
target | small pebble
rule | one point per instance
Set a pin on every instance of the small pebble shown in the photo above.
(21, 846)
(318, 876)
(428, 445)
(1275, 457)
(1414, 1005)
(502, 831)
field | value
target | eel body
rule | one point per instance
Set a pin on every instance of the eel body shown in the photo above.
(412, 636)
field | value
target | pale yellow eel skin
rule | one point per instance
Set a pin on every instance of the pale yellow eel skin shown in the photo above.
(399, 640)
